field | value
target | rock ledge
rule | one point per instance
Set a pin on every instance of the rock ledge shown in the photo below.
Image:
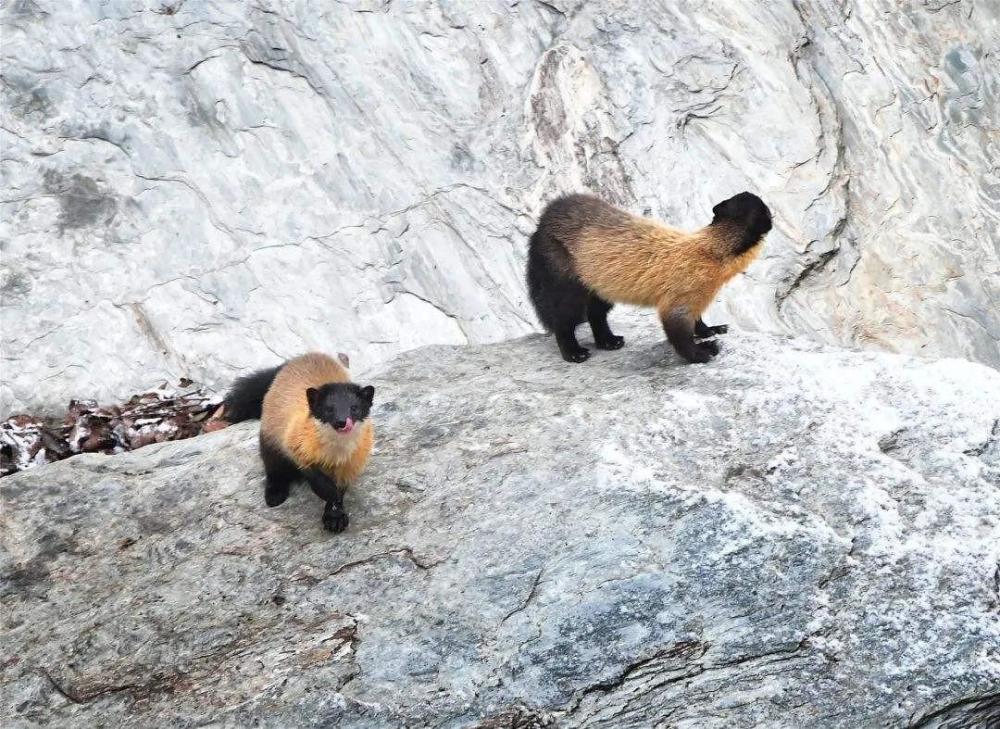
(793, 535)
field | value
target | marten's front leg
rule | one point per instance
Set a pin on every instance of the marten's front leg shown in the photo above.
(334, 516)
(279, 472)
(703, 330)
(679, 327)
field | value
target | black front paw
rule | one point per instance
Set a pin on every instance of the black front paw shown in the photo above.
(611, 342)
(710, 346)
(275, 494)
(335, 521)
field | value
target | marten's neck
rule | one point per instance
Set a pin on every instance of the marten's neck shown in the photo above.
(728, 239)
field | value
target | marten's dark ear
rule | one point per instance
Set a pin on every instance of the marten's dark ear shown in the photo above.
(722, 211)
(312, 397)
(368, 394)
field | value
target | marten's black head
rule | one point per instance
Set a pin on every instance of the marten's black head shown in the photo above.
(748, 212)
(341, 405)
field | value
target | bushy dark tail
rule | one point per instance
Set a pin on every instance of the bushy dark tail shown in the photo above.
(560, 300)
(539, 276)
(245, 398)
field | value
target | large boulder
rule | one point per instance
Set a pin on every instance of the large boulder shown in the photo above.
(193, 188)
(793, 535)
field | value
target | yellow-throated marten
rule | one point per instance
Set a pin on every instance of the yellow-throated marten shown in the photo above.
(314, 424)
(587, 254)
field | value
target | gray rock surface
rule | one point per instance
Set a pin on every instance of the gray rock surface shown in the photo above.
(197, 188)
(791, 536)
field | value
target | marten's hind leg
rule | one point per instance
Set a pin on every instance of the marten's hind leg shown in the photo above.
(597, 315)
(569, 347)
(327, 488)
(679, 327)
(559, 300)
(568, 306)
(279, 473)
(703, 330)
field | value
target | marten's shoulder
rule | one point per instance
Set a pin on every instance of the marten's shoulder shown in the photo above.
(311, 370)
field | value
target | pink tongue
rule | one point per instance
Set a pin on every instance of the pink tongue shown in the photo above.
(348, 426)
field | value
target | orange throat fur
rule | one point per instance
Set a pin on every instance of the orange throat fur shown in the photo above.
(311, 443)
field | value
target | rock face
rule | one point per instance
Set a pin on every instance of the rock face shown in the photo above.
(792, 536)
(194, 189)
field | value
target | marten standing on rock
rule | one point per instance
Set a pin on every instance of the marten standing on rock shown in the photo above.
(313, 424)
(587, 254)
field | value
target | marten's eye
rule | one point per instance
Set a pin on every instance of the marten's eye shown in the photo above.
(355, 411)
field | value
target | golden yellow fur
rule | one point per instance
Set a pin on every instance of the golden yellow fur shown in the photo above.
(287, 424)
(639, 261)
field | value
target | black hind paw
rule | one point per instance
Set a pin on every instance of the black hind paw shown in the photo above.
(696, 355)
(576, 355)
(275, 494)
(712, 347)
(703, 331)
(612, 342)
(335, 521)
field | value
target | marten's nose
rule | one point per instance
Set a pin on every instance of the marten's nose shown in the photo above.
(339, 424)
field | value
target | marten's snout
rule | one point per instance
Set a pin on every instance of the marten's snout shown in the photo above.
(341, 405)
